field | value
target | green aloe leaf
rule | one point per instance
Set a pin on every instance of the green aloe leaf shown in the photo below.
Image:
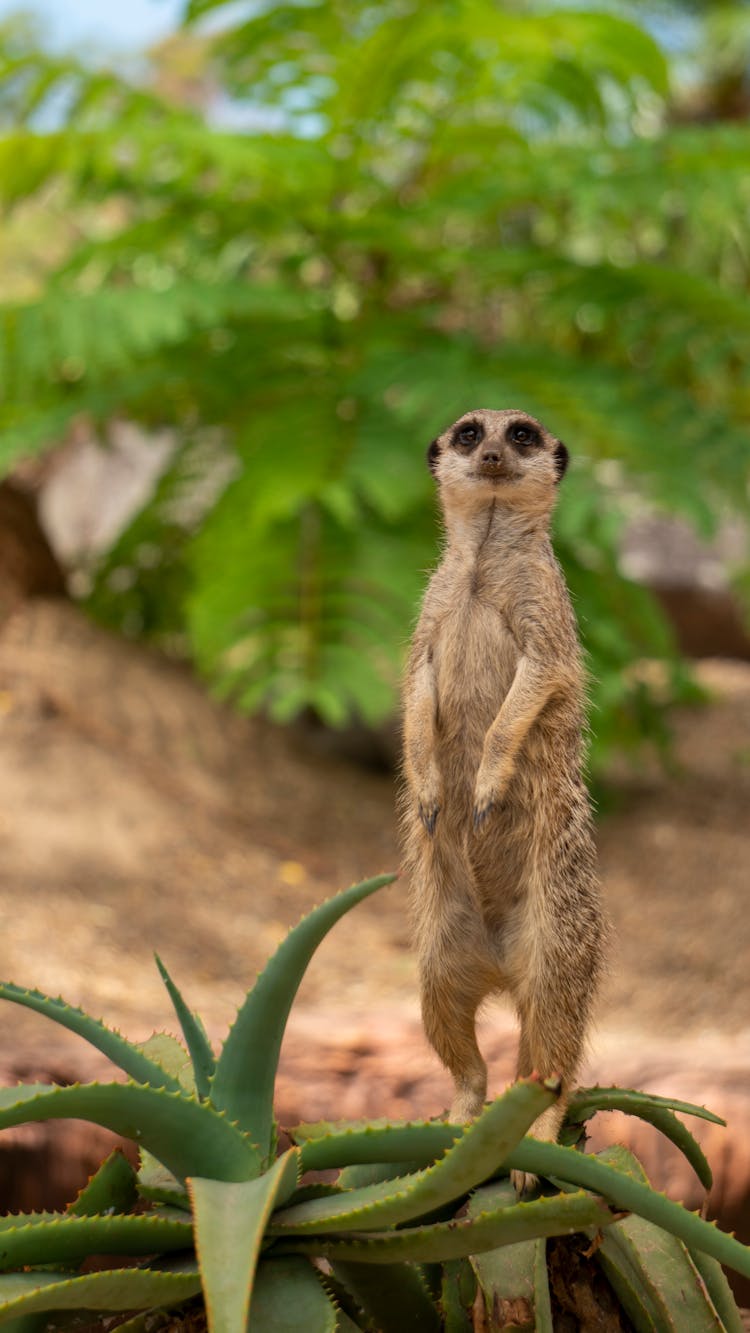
(587, 1101)
(146, 1321)
(553, 1161)
(246, 1069)
(122, 1053)
(556, 1215)
(476, 1154)
(394, 1296)
(204, 1062)
(113, 1289)
(187, 1136)
(288, 1297)
(70, 1238)
(512, 1278)
(327, 1145)
(672, 1128)
(111, 1189)
(344, 1324)
(660, 1289)
(370, 1173)
(170, 1053)
(459, 1288)
(154, 1181)
(719, 1290)
(651, 1270)
(158, 1185)
(657, 1112)
(230, 1223)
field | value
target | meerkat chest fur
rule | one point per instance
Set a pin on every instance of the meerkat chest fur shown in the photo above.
(470, 634)
(497, 603)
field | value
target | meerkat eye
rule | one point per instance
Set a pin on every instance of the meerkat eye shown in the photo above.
(470, 435)
(522, 434)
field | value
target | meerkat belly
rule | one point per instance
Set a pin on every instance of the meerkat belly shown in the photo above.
(475, 661)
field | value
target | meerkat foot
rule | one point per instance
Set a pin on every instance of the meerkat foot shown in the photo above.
(525, 1183)
(546, 1128)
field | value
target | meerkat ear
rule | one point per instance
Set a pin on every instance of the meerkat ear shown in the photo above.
(562, 458)
(433, 454)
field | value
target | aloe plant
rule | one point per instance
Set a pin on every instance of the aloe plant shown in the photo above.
(421, 1228)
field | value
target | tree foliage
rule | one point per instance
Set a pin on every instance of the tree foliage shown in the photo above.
(423, 208)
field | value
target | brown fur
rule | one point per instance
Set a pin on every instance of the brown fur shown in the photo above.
(496, 818)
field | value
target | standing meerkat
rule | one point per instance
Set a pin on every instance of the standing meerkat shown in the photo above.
(496, 817)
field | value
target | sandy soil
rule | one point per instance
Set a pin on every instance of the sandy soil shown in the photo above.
(137, 815)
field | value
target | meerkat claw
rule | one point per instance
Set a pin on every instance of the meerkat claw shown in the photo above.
(525, 1184)
(428, 816)
(482, 813)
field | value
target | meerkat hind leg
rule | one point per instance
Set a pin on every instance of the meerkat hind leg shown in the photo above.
(449, 1016)
(550, 1044)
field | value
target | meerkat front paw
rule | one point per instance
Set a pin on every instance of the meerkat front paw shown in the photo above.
(428, 813)
(483, 807)
(429, 799)
(489, 793)
(487, 797)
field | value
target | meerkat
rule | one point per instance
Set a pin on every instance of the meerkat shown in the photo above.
(496, 817)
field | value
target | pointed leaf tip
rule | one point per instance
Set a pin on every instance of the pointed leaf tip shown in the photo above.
(127, 1056)
(201, 1054)
(245, 1073)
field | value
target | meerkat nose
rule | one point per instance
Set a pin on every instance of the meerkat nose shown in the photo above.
(490, 456)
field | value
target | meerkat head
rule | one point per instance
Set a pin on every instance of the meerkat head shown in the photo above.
(505, 456)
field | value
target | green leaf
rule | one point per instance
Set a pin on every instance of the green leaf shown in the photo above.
(148, 1321)
(553, 1216)
(72, 1238)
(188, 1136)
(651, 1271)
(230, 1223)
(371, 1173)
(587, 1101)
(204, 1063)
(287, 1297)
(655, 1112)
(170, 1053)
(112, 1189)
(114, 1289)
(512, 1278)
(653, 1276)
(482, 1147)
(246, 1069)
(719, 1291)
(158, 1185)
(154, 1181)
(121, 1052)
(459, 1290)
(326, 1144)
(394, 1296)
(553, 1161)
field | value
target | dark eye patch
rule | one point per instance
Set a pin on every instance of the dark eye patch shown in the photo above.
(469, 435)
(523, 434)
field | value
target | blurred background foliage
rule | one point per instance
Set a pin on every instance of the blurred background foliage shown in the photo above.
(306, 236)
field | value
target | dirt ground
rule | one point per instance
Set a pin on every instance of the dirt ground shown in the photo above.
(137, 815)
